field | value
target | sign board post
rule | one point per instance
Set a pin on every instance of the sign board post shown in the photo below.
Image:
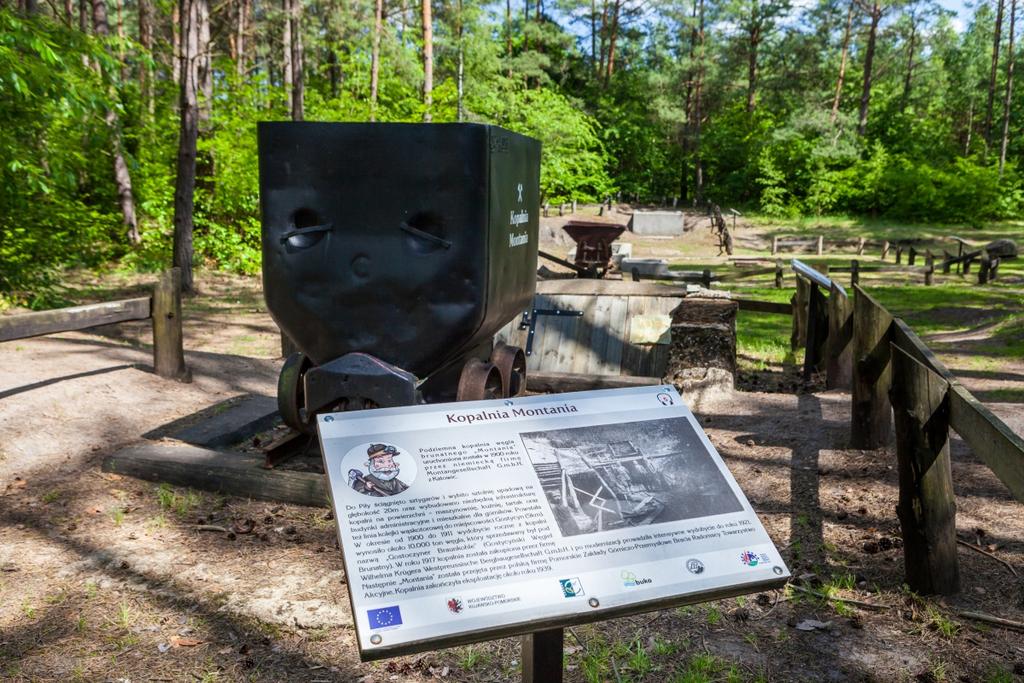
(478, 520)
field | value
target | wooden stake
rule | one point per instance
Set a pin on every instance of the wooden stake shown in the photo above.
(821, 245)
(854, 272)
(860, 246)
(800, 300)
(929, 272)
(927, 506)
(817, 331)
(885, 249)
(871, 414)
(775, 245)
(778, 274)
(911, 256)
(168, 352)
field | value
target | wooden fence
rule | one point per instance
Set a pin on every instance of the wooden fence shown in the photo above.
(892, 374)
(163, 308)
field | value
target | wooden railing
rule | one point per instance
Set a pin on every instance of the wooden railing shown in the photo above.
(163, 308)
(892, 373)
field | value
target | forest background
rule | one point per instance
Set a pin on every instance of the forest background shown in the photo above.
(127, 127)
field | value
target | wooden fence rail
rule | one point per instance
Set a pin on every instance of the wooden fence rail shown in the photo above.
(163, 307)
(895, 377)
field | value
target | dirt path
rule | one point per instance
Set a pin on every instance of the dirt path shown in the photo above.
(108, 578)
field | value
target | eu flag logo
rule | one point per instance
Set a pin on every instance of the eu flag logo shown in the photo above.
(384, 617)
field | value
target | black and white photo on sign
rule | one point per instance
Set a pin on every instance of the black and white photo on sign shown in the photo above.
(607, 477)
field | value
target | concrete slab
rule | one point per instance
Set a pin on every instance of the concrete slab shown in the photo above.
(657, 223)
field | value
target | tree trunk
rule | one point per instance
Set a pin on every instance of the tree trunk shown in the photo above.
(698, 165)
(593, 31)
(1009, 89)
(869, 58)
(996, 39)
(298, 78)
(684, 174)
(146, 40)
(612, 38)
(752, 70)
(375, 59)
(122, 177)
(205, 67)
(333, 72)
(286, 40)
(428, 61)
(508, 36)
(240, 29)
(122, 62)
(842, 65)
(83, 16)
(176, 42)
(908, 77)
(190, 12)
(69, 13)
(460, 83)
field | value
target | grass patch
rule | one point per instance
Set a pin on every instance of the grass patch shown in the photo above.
(180, 503)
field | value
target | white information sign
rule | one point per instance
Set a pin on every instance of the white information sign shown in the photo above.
(461, 522)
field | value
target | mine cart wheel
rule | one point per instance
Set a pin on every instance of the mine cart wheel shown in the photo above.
(511, 364)
(291, 394)
(479, 381)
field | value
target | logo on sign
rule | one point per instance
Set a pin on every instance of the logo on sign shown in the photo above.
(385, 617)
(571, 588)
(752, 559)
(519, 189)
(695, 566)
(454, 605)
(630, 580)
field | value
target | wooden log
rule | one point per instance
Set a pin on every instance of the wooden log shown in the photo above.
(927, 506)
(25, 325)
(778, 274)
(872, 375)
(800, 300)
(817, 331)
(991, 439)
(775, 245)
(885, 249)
(838, 348)
(561, 382)
(588, 286)
(983, 269)
(758, 306)
(168, 351)
(820, 246)
(542, 656)
(233, 474)
(860, 246)
(854, 272)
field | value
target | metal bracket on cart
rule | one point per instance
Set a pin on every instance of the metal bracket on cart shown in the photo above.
(529, 322)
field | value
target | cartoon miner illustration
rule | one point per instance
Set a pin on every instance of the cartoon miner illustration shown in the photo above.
(382, 479)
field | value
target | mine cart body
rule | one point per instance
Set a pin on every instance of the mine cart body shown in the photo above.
(409, 243)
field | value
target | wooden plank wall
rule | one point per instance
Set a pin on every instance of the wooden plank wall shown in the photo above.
(596, 343)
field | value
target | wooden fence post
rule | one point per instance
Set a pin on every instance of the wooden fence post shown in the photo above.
(817, 330)
(574, 206)
(860, 246)
(871, 415)
(775, 245)
(854, 272)
(705, 278)
(778, 274)
(993, 269)
(899, 254)
(885, 249)
(927, 506)
(168, 352)
(946, 261)
(838, 346)
(911, 256)
(929, 268)
(798, 339)
(542, 654)
(821, 245)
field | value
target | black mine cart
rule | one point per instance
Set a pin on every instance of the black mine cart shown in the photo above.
(392, 253)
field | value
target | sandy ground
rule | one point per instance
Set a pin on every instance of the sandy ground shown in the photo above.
(109, 578)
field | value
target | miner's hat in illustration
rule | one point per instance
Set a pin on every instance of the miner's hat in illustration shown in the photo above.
(379, 450)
